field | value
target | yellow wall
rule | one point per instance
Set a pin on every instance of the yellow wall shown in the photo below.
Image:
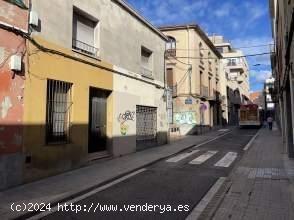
(42, 66)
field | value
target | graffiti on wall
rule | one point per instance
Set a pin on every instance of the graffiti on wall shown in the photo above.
(123, 118)
(185, 118)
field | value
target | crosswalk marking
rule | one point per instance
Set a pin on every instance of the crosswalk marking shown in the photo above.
(227, 160)
(204, 157)
(181, 156)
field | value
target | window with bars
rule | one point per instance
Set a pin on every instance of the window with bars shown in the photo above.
(59, 102)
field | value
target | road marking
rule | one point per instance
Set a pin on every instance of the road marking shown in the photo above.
(181, 156)
(227, 160)
(204, 157)
(213, 139)
(222, 130)
(251, 141)
(197, 211)
(206, 142)
(88, 194)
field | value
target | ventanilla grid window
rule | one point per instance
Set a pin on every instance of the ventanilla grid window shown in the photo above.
(59, 102)
(146, 123)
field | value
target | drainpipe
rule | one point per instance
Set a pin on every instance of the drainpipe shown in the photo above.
(190, 66)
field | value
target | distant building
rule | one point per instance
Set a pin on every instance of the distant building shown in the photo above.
(236, 71)
(193, 76)
(257, 98)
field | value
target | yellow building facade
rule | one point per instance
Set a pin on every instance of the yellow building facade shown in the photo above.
(82, 73)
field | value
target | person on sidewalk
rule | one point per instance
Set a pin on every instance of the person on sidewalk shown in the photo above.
(270, 122)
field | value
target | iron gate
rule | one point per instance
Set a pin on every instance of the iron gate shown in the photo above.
(146, 124)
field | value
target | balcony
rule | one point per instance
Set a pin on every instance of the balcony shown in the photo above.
(85, 48)
(146, 72)
(236, 66)
(171, 53)
(204, 92)
(214, 96)
(174, 91)
(211, 97)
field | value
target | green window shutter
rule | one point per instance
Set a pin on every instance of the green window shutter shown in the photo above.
(19, 3)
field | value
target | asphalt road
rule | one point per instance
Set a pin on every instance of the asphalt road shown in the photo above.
(176, 186)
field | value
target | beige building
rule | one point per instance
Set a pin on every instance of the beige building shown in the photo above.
(282, 60)
(235, 70)
(193, 67)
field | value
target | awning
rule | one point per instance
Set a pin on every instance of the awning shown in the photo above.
(19, 3)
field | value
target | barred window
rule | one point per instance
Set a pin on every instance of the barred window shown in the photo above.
(58, 111)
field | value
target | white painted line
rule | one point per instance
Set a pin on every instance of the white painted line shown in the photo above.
(223, 130)
(88, 194)
(181, 156)
(197, 211)
(227, 160)
(204, 157)
(184, 155)
(251, 141)
(213, 139)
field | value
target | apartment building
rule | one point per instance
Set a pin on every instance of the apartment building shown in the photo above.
(236, 71)
(258, 99)
(193, 66)
(93, 86)
(282, 59)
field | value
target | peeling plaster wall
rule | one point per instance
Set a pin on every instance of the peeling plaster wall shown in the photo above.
(11, 96)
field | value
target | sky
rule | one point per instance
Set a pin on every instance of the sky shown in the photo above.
(242, 22)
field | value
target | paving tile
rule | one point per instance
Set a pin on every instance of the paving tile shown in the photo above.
(265, 193)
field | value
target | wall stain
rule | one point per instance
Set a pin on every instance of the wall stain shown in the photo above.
(6, 104)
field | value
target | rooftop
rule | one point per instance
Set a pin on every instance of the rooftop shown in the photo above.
(197, 28)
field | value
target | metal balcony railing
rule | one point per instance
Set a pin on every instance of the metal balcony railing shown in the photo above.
(170, 53)
(146, 72)
(85, 48)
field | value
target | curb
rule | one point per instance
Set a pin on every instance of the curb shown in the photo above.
(215, 203)
(70, 197)
(248, 145)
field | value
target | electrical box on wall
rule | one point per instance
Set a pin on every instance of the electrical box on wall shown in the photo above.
(15, 62)
(34, 18)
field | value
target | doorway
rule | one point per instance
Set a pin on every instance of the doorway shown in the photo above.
(97, 120)
(146, 127)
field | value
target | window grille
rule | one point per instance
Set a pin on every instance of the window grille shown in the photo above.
(59, 102)
(146, 123)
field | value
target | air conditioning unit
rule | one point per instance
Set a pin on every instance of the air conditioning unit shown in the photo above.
(15, 62)
(34, 19)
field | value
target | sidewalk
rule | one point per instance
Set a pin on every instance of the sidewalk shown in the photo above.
(262, 183)
(63, 186)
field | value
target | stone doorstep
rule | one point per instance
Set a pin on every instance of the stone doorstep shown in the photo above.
(71, 193)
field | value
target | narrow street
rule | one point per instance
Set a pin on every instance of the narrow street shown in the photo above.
(181, 180)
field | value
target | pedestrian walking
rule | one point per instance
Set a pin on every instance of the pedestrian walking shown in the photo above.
(270, 122)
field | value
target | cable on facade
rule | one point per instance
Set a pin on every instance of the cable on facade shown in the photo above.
(56, 52)
(243, 56)
(235, 48)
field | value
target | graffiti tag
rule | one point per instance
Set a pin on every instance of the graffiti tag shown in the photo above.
(127, 116)
(123, 118)
(185, 118)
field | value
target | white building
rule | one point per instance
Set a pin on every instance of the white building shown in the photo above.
(235, 71)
